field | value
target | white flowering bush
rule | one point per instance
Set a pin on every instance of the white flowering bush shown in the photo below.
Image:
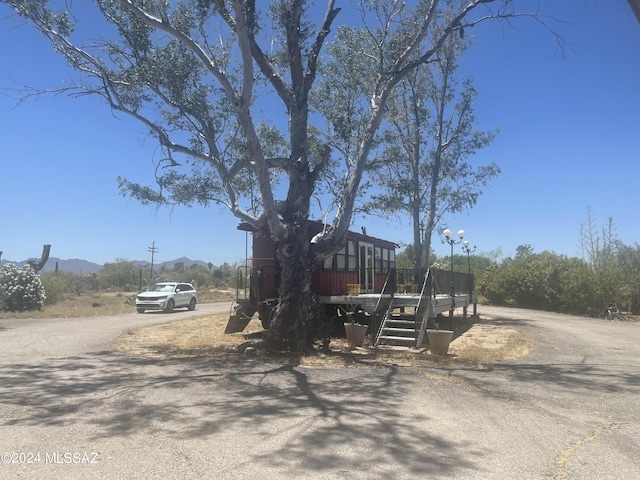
(20, 288)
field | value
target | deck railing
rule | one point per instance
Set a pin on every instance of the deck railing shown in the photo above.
(263, 281)
(411, 280)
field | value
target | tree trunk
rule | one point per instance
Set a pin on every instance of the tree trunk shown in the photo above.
(289, 325)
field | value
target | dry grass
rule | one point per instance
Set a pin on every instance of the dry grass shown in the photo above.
(488, 342)
(195, 337)
(102, 303)
(482, 344)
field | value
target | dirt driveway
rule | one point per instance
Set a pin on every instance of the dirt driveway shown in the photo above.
(568, 409)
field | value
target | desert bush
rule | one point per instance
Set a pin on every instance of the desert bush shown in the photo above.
(549, 281)
(122, 275)
(20, 288)
(54, 287)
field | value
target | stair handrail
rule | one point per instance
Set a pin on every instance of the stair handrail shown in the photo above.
(384, 302)
(424, 307)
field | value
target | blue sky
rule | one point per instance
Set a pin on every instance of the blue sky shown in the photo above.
(569, 141)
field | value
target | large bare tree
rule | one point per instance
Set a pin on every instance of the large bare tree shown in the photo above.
(225, 87)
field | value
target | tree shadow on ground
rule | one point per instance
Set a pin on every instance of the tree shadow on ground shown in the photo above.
(573, 376)
(315, 421)
(588, 375)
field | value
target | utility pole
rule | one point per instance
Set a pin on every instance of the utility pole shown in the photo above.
(153, 249)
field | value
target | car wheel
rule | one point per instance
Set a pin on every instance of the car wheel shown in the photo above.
(170, 305)
(140, 310)
(192, 304)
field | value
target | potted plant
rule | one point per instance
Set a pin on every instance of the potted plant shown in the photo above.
(356, 332)
(439, 340)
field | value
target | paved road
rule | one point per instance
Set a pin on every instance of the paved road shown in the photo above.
(569, 410)
(58, 337)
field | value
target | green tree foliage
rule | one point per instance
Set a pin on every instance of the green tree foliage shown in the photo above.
(225, 87)
(20, 288)
(178, 267)
(477, 264)
(608, 273)
(406, 259)
(425, 169)
(629, 259)
(122, 275)
(225, 275)
(614, 266)
(544, 281)
(201, 277)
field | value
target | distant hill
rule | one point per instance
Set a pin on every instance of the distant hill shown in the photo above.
(79, 266)
(170, 264)
(74, 265)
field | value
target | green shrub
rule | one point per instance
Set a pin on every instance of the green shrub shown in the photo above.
(20, 288)
(54, 286)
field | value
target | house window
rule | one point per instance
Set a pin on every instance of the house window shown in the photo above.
(328, 262)
(352, 257)
(385, 260)
(341, 259)
(378, 259)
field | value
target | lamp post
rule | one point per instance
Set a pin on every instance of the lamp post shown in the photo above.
(469, 251)
(452, 241)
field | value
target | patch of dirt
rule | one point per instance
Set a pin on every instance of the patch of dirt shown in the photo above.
(489, 341)
(480, 343)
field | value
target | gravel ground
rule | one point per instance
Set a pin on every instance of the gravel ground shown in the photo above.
(71, 407)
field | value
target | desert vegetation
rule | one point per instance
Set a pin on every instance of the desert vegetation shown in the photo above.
(26, 294)
(607, 272)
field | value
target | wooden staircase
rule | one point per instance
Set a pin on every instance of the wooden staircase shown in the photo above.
(405, 320)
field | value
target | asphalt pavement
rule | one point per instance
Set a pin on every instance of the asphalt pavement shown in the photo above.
(72, 408)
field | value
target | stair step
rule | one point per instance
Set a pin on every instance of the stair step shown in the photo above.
(403, 316)
(402, 323)
(397, 340)
(400, 331)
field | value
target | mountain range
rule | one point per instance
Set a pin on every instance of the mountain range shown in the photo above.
(79, 266)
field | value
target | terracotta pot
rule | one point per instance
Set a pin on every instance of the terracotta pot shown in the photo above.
(439, 341)
(355, 334)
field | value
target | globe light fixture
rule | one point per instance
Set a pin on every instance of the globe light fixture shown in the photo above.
(448, 234)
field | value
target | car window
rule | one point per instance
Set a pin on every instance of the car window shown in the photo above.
(161, 288)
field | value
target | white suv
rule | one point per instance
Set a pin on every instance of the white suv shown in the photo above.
(167, 296)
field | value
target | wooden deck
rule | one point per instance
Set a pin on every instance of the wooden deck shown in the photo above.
(368, 301)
